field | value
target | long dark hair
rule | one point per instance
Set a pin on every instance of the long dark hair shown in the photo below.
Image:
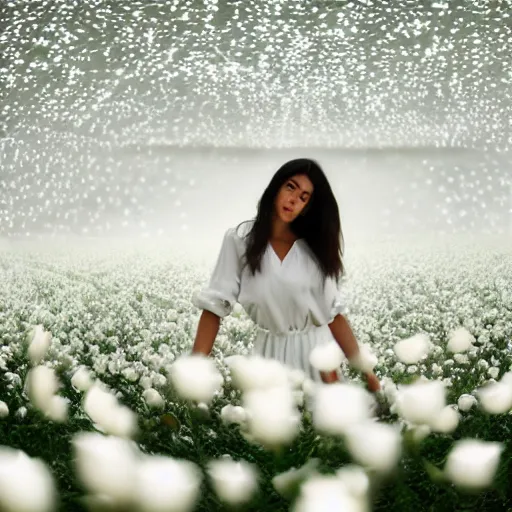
(319, 225)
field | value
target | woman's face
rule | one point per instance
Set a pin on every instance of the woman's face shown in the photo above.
(293, 196)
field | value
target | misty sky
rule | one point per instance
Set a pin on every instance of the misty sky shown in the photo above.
(102, 103)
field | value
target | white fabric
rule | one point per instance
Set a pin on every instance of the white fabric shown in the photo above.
(286, 299)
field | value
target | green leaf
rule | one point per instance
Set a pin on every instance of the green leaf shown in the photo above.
(435, 474)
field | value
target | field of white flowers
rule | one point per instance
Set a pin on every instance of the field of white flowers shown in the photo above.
(100, 411)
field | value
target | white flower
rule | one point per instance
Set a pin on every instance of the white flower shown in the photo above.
(172, 315)
(296, 378)
(413, 349)
(98, 403)
(374, 445)
(507, 378)
(325, 494)
(104, 410)
(420, 432)
(106, 465)
(483, 364)
(460, 340)
(39, 345)
(238, 310)
(81, 379)
(273, 419)
(390, 389)
(256, 372)
(461, 358)
(146, 382)
(42, 384)
(26, 484)
(421, 402)
(493, 372)
(130, 374)
(473, 463)
(158, 380)
(309, 387)
(365, 361)
(153, 398)
(21, 412)
(355, 479)
(326, 357)
(465, 402)
(285, 482)
(337, 406)
(58, 409)
(446, 421)
(298, 398)
(496, 398)
(121, 422)
(196, 378)
(233, 414)
(165, 484)
(436, 369)
(234, 482)
(4, 410)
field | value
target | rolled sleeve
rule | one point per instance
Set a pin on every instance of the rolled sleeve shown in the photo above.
(221, 294)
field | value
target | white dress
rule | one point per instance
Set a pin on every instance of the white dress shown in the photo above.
(286, 300)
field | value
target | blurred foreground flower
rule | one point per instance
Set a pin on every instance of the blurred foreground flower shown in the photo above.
(496, 398)
(81, 379)
(234, 482)
(365, 361)
(106, 466)
(286, 483)
(327, 494)
(473, 463)
(196, 378)
(326, 357)
(26, 484)
(420, 403)
(115, 472)
(465, 402)
(106, 412)
(355, 479)
(39, 344)
(338, 406)
(460, 340)
(42, 385)
(412, 350)
(164, 484)
(273, 418)
(376, 446)
(153, 398)
(256, 372)
(446, 421)
(233, 414)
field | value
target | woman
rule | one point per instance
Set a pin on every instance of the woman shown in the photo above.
(283, 268)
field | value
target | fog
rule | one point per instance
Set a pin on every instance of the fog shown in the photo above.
(166, 120)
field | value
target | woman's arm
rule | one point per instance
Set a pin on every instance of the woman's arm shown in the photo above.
(344, 336)
(207, 330)
(218, 298)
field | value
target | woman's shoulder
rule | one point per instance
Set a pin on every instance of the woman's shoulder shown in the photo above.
(237, 235)
(241, 230)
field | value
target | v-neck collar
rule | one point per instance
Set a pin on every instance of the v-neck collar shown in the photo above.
(279, 260)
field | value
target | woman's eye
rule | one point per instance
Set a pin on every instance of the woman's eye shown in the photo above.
(290, 186)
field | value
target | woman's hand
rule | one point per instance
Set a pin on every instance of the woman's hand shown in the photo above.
(373, 382)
